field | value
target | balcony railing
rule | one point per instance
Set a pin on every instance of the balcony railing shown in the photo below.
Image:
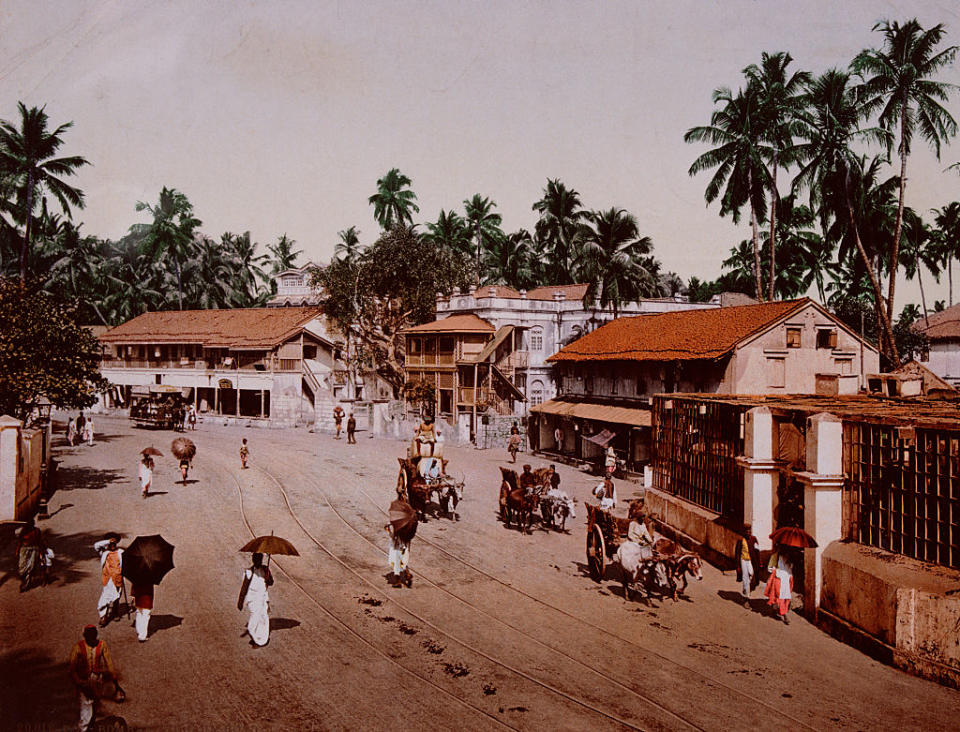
(430, 359)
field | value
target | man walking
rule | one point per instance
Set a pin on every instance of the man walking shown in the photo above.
(93, 673)
(30, 553)
(253, 592)
(351, 430)
(143, 602)
(88, 431)
(338, 420)
(111, 561)
(748, 563)
(398, 558)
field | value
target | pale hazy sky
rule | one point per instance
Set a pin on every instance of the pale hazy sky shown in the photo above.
(279, 117)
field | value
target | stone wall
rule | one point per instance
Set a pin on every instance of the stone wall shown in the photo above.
(21, 457)
(496, 432)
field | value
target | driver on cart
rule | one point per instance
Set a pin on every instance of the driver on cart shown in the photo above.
(528, 480)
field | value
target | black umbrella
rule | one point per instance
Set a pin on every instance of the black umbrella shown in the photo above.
(147, 560)
(403, 519)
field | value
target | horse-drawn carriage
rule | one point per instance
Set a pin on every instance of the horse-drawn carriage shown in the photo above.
(160, 405)
(663, 566)
(519, 500)
(423, 480)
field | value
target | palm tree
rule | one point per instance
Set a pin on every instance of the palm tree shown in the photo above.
(830, 128)
(900, 81)
(170, 236)
(560, 215)
(450, 231)
(79, 272)
(780, 98)
(247, 266)
(947, 239)
(483, 223)
(611, 259)
(348, 248)
(919, 251)
(741, 177)
(284, 255)
(510, 261)
(393, 203)
(804, 249)
(27, 157)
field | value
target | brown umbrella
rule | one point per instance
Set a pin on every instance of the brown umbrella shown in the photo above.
(403, 519)
(270, 545)
(152, 451)
(183, 448)
(793, 536)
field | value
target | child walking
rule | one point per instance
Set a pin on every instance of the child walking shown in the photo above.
(244, 454)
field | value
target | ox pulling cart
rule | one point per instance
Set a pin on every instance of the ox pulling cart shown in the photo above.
(423, 481)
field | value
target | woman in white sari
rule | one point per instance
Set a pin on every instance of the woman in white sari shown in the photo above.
(253, 592)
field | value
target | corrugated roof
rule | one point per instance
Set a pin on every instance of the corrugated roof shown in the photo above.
(598, 412)
(235, 328)
(689, 334)
(464, 323)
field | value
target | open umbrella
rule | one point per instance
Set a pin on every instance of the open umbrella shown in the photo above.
(183, 448)
(152, 451)
(270, 545)
(147, 559)
(403, 519)
(793, 536)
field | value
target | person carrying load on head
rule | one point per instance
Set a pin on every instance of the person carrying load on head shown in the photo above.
(426, 436)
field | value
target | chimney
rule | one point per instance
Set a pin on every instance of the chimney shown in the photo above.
(456, 291)
(473, 290)
(523, 294)
(492, 291)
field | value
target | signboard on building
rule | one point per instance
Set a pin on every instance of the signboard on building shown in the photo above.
(225, 384)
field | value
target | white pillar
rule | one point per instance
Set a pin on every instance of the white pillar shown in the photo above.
(822, 499)
(760, 473)
(9, 454)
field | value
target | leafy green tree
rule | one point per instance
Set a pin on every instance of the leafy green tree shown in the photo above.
(780, 98)
(899, 81)
(375, 296)
(28, 160)
(741, 176)
(44, 352)
(556, 230)
(394, 202)
(830, 128)
(610, 256)
(249, 277)
(79, 274)
(170, 235)
(911, 342)
(510, 261)
(484, 225)
(947, 239)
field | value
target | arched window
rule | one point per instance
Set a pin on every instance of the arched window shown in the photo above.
(536, 339)
(536, 393)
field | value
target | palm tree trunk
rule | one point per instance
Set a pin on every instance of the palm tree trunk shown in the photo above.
(886, 332)
(756, 240)
(179, 286)
(895, 249)
(774, 197)
(27, 229)
(923, 299)
(950, 277)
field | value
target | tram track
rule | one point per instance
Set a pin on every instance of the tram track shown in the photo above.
(709, 680)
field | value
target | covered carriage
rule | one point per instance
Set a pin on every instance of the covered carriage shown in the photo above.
(423, 478)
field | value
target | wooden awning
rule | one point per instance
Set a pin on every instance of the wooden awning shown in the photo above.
(635, 417)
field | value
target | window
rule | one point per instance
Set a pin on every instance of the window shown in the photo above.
(776, 372)
(641, 386)
(414, 346)
(793, 337)
(826, 338)
(588, 384)
(614, 384)
(536, 339)
(291, 281)
(536, 393)
(844, 366)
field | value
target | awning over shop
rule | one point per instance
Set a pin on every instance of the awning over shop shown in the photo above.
(597, 412)
(601, 438)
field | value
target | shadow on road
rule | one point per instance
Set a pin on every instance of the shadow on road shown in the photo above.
(757, 605)
(163, 622)
(88, 479)
(36, 692)
(283, 624)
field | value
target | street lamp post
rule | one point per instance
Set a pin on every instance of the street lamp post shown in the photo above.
(43, 408)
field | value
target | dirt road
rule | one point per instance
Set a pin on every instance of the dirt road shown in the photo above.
(500, 629)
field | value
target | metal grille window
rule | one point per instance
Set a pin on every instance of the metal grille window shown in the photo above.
(536, 393)
(695, 450)
(903, 490)
(536, 339)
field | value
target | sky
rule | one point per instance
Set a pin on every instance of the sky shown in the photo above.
(280, 117)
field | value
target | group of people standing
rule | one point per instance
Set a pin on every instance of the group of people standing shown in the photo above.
(80, 428)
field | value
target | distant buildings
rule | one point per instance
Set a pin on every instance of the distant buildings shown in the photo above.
(606, 378)
(276, 364)
(294, 288)
(943, 331)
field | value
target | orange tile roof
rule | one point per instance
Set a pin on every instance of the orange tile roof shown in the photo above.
(467, 323)
(572, 292)
(234, 328)
(689, 334)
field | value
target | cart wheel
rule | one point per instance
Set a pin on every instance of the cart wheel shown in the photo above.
(596, 553)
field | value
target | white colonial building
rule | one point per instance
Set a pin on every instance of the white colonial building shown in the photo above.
(294, 288)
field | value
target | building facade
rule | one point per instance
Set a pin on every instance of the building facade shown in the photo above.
(605, 380)
(545, 319)
(255, 363)
(294, 288)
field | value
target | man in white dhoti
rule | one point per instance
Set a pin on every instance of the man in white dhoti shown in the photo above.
(111, 561)
(779, 589)
(398, 557)
(145, 475)
(88, 431)
(253, 592)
